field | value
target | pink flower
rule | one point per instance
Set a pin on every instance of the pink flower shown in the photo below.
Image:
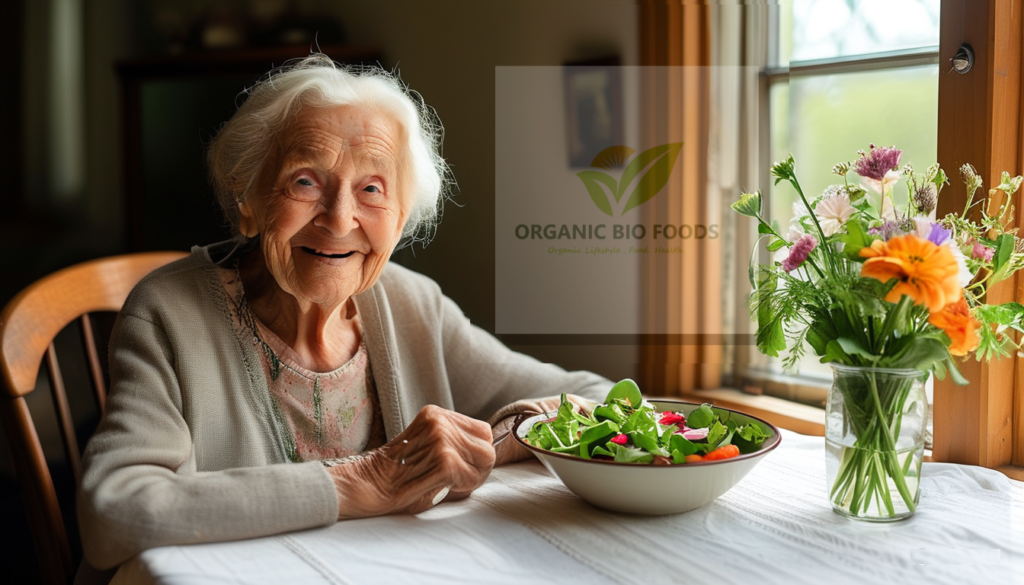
(879, 161)
(832, 213)
(671, 418)
(620, 439)
(982, 252)
(799, 252)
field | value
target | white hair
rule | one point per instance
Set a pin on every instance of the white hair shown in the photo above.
(238, 152)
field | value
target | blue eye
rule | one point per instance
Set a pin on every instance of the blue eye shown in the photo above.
(372, 189)
(305, 182)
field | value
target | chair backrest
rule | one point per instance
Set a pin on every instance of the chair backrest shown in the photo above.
(28, 325)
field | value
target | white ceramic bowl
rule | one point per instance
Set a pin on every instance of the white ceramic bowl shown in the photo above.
(651, 489)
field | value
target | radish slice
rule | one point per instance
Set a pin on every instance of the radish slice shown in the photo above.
(695, 434)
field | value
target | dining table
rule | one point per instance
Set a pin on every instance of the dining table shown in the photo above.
(523, 526)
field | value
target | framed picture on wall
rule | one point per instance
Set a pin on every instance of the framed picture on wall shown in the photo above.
(593, 108)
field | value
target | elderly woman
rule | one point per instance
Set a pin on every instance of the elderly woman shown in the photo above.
(292, 377)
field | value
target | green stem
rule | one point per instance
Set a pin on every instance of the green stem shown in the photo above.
(777, 235)
(796, 185)
(888, 446)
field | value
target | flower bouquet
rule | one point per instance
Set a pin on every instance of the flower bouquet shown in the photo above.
(886, 296)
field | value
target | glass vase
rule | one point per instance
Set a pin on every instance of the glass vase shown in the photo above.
(874, 441)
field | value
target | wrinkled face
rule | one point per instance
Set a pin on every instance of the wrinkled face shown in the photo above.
(327, 208)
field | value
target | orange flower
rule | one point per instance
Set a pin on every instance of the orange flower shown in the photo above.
(926, 272)
(956, 320)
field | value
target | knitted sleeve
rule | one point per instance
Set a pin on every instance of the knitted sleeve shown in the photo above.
(139, 487)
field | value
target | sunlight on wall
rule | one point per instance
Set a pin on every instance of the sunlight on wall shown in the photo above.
(66, 102)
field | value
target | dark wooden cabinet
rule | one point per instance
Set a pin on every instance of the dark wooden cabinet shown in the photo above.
(171, 109)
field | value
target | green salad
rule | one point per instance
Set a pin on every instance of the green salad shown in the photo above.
(629, 430)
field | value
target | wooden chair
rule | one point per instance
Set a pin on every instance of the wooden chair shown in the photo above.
(28, 326)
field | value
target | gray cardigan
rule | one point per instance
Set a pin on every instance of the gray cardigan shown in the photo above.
(188, 451)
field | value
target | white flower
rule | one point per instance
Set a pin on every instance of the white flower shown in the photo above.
(796, 231)
(965, 275)
(922, 227)
(888, 209)
(832, 213)
(885, 185)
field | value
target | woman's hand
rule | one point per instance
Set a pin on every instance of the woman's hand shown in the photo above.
(509, 450)
(440, 449)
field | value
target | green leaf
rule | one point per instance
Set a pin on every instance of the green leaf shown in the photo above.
(762, 228)
(954, 373)
(701, 417)
(682, 445)
(611, 413)
(625, 389)
(854, 347)
(631, 455)
(596, 435)
(919, 354)
(564, 410)
(599, 431)
(644, 441)
(654, 179)
(776, 244)
(718, 435)
(854, 240)
(820, 332)
(1004, 248)
(899, 318)
(834, 352)
(771, 338)
(856, 193)
(593, 180)
(750, 206)
(749, 437)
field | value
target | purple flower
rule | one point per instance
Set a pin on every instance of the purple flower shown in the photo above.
(889, 229)
(982, 252)
(879, 161)
(799, 252)
(939, 234)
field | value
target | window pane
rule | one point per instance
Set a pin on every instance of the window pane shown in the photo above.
(830, 117)
(784, 38)
(825, 29)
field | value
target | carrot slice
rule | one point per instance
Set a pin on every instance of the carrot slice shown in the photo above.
(694, 458)
(723, 452)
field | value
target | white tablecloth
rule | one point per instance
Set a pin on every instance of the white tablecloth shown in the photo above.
(523, 526)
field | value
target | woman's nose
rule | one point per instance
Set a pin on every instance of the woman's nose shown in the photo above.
(340, 211)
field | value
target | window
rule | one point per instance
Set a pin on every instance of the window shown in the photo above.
(842, 74)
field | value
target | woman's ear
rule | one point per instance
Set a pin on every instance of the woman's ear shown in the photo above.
(247, 220)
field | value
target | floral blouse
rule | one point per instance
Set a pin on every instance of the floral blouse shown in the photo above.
(326, 415)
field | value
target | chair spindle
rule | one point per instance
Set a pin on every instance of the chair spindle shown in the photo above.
(60, 405)
(92, 355)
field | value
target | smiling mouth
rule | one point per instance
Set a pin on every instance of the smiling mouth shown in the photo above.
(326, 255)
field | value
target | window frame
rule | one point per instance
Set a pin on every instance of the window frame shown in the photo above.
(982, 122)
(803, 388)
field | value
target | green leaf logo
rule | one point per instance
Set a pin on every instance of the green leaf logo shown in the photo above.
(593, 181)
(648, 174)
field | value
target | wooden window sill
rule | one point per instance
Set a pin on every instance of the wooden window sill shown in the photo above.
(793, 416)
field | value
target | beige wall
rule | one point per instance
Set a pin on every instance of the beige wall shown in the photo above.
(448, 51)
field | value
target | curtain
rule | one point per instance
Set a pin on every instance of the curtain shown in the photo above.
(704, 91)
